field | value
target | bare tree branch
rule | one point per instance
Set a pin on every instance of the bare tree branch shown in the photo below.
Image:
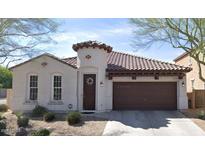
(14, 60)
(19, 38)
(187, 34)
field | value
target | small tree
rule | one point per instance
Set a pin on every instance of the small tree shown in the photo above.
(21, 37)
(187, 34)
(5, 78)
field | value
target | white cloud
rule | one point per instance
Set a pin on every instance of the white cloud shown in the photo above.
(76, 36)
(96, 34)
(64, 37)
(121, 31)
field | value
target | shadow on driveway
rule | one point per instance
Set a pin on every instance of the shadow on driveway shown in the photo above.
(149, 123)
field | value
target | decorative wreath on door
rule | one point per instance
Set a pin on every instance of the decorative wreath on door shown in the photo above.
(89, 81)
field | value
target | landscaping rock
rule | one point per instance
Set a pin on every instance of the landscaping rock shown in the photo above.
(49, 128)
(2, 127)
(21, 132)
(90, 127)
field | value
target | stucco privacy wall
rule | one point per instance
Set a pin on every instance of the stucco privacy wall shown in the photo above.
(181, 88)
(20, 84)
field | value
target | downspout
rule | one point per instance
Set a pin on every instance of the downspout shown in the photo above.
(77, 93)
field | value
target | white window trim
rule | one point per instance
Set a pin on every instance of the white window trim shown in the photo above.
(52, 89)
(28, 88)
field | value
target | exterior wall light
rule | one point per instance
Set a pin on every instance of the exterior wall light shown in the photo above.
(183, 84)
(70, 106)
(101, 83)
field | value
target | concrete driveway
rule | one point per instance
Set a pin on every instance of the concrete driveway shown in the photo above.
(149, 123)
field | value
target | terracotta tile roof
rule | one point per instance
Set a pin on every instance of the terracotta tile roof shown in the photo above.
(71, 61)
(125, 62)
(92, 44)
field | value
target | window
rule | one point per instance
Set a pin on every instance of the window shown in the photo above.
(33, 87)
(57, 87)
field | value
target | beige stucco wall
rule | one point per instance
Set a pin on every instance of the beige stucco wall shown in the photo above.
(192, 75)
(20, 85)
(104, 93)
(95, 65)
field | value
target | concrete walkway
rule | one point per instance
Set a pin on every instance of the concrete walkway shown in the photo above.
(149, 123)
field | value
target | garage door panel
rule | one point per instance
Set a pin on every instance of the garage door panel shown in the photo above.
(144, 95)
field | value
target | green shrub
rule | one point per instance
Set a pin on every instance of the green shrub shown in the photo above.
(3, 108)
(41, 132)
(49, 116)
(2, 117)
(22, 121)
(2, 125)
(5, 78)
(73, 118)
(39, 111)
(201, 115)
(18, 114)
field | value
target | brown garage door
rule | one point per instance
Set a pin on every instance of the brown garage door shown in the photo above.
(144, 96)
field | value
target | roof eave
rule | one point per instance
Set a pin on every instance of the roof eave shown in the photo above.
(186, 70)
(44, 54)
(181, 56)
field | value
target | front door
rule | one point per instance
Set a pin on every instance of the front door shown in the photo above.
(89, 84)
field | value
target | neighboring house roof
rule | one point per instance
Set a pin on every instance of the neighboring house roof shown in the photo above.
(181, 56)
(125, 62)
(93, 44)
(45, 54)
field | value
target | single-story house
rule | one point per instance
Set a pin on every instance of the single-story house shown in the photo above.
(98, 79)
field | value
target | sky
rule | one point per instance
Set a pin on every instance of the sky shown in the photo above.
(117, 32)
